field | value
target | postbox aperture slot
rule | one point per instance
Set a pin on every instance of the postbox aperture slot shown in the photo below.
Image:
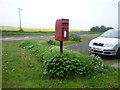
(65, 23)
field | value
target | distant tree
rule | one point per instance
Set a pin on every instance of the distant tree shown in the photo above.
(97, 28)
(102, 28)
(94, 29)
(110, 28)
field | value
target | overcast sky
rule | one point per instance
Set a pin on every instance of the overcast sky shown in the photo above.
(83, 14)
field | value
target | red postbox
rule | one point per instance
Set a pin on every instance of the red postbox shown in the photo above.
(62, 30)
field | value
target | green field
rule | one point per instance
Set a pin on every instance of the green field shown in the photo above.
(33, 29)
(26, 29)
(23, 69)
(14, 32)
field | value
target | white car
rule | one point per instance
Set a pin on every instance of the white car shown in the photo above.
(106, 44)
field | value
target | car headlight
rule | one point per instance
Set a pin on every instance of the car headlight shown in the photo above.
(108, 45)
(90, 43)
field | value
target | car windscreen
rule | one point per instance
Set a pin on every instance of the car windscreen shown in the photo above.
(111, 34)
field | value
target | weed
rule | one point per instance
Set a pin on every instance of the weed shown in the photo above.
(51, 42)
(75, 36)
(69, 64)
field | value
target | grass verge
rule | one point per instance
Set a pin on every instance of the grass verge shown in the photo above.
(23, 69)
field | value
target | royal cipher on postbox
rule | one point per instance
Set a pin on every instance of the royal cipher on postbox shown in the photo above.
(62, 30)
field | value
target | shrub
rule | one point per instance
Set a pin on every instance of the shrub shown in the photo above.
(102, 28)
(68, 64)
(51, 42)
(75, 36)
(72, 64)
(27, 45)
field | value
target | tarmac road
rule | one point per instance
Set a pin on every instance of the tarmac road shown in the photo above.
(25, 38)
(36, 37)
(83, 48)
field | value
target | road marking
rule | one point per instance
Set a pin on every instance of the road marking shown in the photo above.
(26, 37)
(7, 38)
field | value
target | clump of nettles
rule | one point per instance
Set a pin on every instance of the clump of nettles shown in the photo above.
(51, 42)
(69, 64)
(75, 36)
(27, 45)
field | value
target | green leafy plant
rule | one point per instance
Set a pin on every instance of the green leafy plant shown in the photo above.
(68, 64)
(27, 45)
(51, 42)
(72, 64)
(75, 36)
